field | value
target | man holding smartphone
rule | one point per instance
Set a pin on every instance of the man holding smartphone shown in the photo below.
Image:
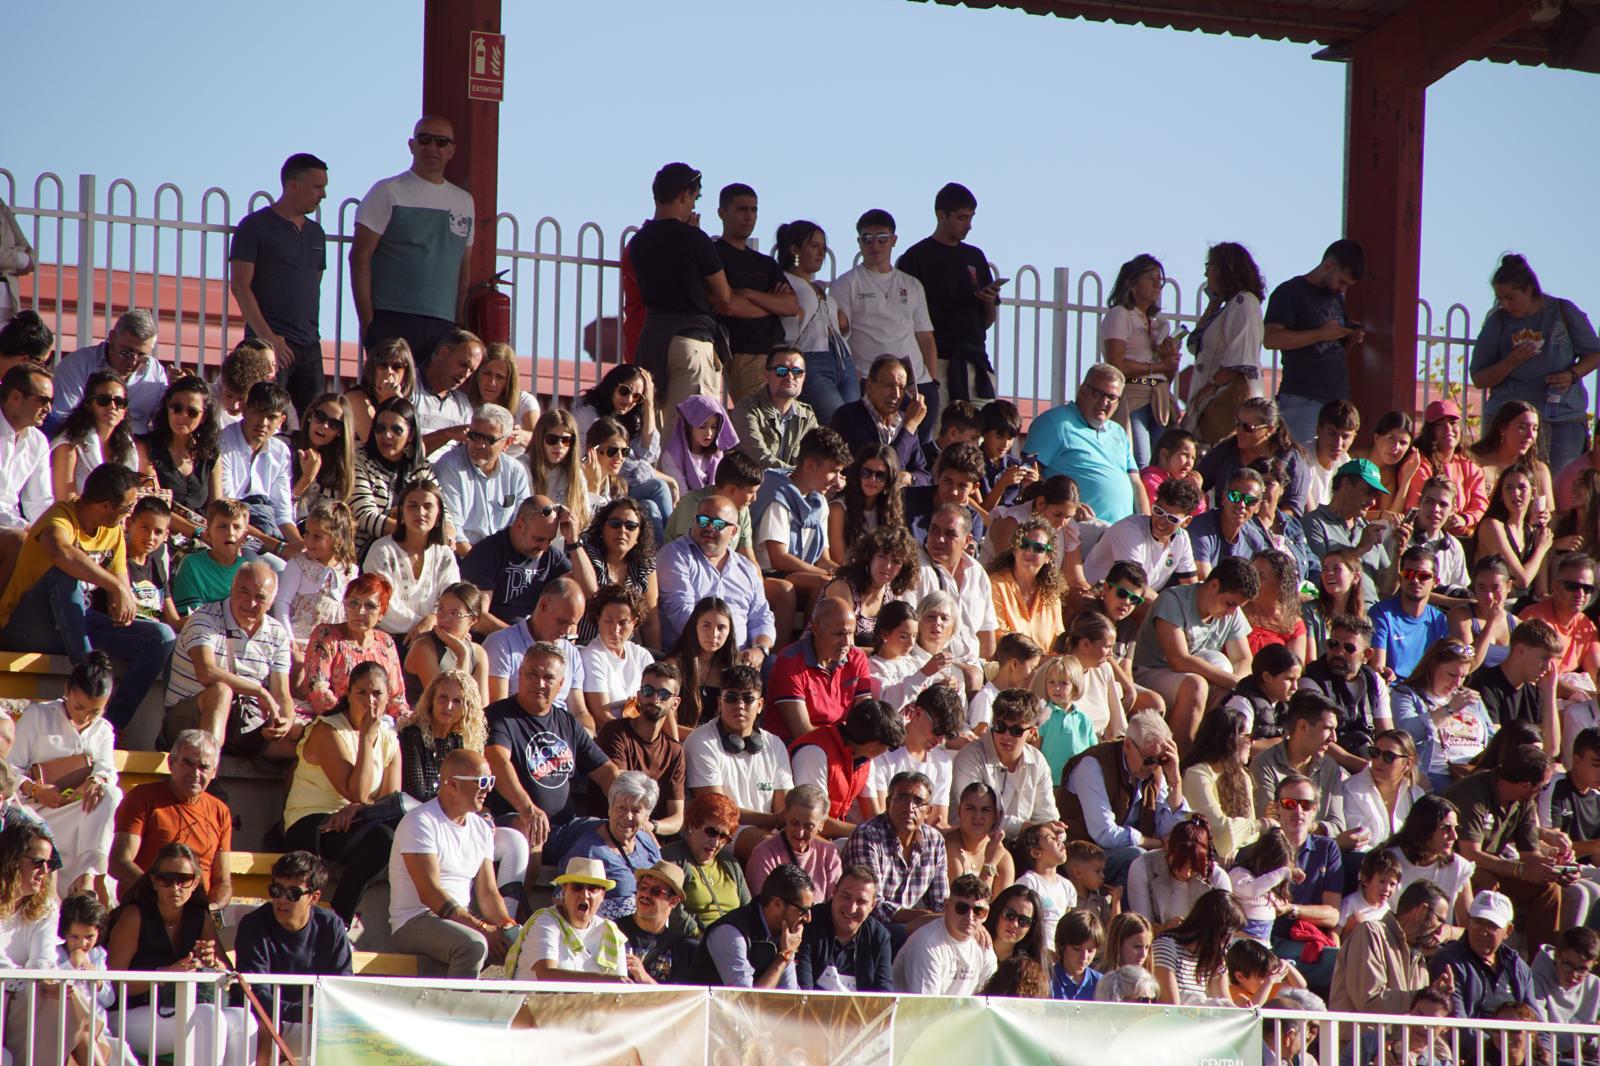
(963, 295)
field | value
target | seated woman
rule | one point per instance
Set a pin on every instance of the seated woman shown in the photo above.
(1426, 849)
(1398, 463)
(63, 750)
(180, 449)
(166, 926)
(337, 648)
(573, 941)
(349, 760)
(713, 884)
(324, 455)
(1445, 721)
(496, 381)
(1056, 501)
(605, 445)
(621, 549)
(416, 561)
(881, 567)
(448, 717)
(703, 435)
(627, 395)
(705, 648)
(974, 844)
(1106, 700)
(1165, 884)
(1190, 962)
(1027, 584)
(1512, 437)
(28, 939)
(555, 463)
(871, 500)
(1338, 593)
(1274, 614)
(1259, 433)
(1516, 527)
(96, 431)
(906, 659)
(622, 842)
(1216, 780)
(613, 665)
(1378, 798)
(392, 459)
(1016, 925)
(1485, 624)
(1439, 447)
(449, 644)
(390, 373)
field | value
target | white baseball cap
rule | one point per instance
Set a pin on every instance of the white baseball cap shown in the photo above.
(1491, 906)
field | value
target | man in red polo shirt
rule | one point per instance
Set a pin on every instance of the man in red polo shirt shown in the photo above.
(816, 679)
(838, 758)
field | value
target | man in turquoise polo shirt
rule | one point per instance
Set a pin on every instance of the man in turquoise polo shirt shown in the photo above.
(1080, 440)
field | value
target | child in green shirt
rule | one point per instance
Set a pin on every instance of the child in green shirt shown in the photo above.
(207, 577)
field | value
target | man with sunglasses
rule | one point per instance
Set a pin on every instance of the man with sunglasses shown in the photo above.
(1315, 898)
(129, 350)
(1359, 694)
(441, 869)
(514, 563)
(1230, 530)
(933, 719)
(755, 946)
(658, 932)
(1405, 624)
(773, 420)
(704, 564)
(290, 934)
(949, 957)
(1576, 671)
(1342, 523)
(482, 489)
(409, 260)
(643, 742)
(1158, 541)
(1125, 795)
(760, 298)
(25, 492)
(1082, 440)
(845, 948)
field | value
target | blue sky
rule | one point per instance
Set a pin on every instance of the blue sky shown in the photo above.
(1085, 143)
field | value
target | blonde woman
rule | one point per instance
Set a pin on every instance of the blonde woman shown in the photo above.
(555, 462)
(496, 381)
(448, 717)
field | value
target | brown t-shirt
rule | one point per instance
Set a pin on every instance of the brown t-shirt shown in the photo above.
(1485, 822)
(159, 818)
(661, 759)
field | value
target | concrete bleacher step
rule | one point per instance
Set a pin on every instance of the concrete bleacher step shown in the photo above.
(384, 964)
(255, 790)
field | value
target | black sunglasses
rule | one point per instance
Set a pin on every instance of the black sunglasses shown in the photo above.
(1010, 730)
(1349, 647)
(172, 879)
(292, 893)
(106, 400)
(1578, 586)
(622, 523)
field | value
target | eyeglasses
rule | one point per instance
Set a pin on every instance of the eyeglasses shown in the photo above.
(1150, 760)
(875, 238)
(389, 429)
(482, 782)
(1123, 594)
(547, 510)
(963, 908)
(716, 525)
(1583, 587)
(622, 523)
(657, 693)
(361, 605)
(484, 438)
(185, 410)
(867, 473)
(292, 893)
(805, 912)
(610, 451)
(1105, 397)
(1157, 511)
(658, 892)
(453, 614)
(437, 140)
(107, 400)
(1142, 999)
(1009, 730)
(715, 833)
(910, 799)
(323, 418)
(1024, 920)
(172, 879)
(1290, 803)
(1349, 647)
(789, 371)
(134, 354)
(1235, 496)
(628, 392)
(554, 439)
(739, 696)
(1423, 576)
(1249, 428)
(1042, 547)
(1388, 757)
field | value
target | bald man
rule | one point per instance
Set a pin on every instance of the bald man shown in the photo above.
(230, 672)
(703, 563)
(513, 565)
(817, 679)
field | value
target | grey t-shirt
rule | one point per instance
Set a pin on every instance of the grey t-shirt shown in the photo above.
(1325, 531)
(1566, 333)
(1180, 606)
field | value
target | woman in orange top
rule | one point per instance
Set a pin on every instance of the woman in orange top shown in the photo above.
(1274, 615)
(1439, 445)
(1027, 584)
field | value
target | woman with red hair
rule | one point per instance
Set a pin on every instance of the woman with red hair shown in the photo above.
(336, 648)
(713, 882)
(1165, 884)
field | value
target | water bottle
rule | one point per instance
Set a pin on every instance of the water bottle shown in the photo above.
(1552, 403)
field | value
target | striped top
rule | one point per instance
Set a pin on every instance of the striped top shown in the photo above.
(213, 626)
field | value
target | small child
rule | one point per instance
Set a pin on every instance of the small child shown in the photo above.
(149, 563)
(1040, 849)
(1086, 869)
(1261, 873)
(1079, 938)
(81, 919)
(311, 587)
(207, 577)
(1176, 454)
(1255, 974)
(1004, 475)
(703, 435)
(1065, 730)
(1018, 656)
(1380, 879)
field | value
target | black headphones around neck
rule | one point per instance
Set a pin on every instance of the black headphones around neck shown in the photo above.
(734, 744)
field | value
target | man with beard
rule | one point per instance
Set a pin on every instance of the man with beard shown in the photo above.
(1309, 726)
(1356, 690)
(644, 743)
(755, 946)
(1383, 964)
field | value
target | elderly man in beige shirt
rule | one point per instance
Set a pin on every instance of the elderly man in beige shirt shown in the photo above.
(1381, 966)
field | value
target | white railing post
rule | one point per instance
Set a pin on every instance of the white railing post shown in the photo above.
(86, 216)
(1058, 336)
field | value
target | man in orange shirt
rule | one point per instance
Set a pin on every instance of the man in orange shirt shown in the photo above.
(1571, 589)
(177, 810)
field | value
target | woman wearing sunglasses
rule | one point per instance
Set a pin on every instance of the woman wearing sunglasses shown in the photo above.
(1444, 720)
(336, 649)
(627, 396)
(872, 499)
(555, 462)
(391, 459)
(1426, 849)
(97, 431)
(713, 882)
(324, 454)
(1259, 434)
(605, 453)
(389, 373)
(1016, 925)
(166, 926)
(1378, 798)
(180, 449)
(1027, 583)
(622, 842)
(621, 548)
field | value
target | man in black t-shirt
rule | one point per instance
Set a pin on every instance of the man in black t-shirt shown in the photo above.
(512, 566)
(682, 283)
(1572, 802)
(290, 934)
(963, 297)
(753, 317)
(1305, 320)
(1522, 688)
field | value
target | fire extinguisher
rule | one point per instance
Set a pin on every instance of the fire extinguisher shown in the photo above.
(489, 311)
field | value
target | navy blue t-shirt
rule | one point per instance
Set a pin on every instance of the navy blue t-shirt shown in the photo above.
(288, 271)
(1318, 371)
(548, 752)
(515, 580)
(265, 946)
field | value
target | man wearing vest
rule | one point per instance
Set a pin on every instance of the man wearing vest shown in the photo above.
(838, 758)
(1362, 698)
(1124, 794)
(817, 679)
(755, 945)
(790, 515)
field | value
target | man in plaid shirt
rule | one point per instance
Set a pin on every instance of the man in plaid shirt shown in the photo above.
(907, 856)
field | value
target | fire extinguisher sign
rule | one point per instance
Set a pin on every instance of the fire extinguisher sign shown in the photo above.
(486, 66)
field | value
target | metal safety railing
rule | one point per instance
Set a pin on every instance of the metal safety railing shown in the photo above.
(107, 248)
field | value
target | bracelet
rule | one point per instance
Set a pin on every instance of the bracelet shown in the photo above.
(988, 869)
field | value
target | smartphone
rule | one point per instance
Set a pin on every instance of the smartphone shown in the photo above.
(997, 282)
(1181, 334)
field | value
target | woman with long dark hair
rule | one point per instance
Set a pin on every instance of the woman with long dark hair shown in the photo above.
(1393, 451)
(392, 458)
(1259, 433)
(628, 395)
(180, 449)
(97, 431)
(871, 500)
(1442, 454)
(1190, 961)
(1165, 884)
(831, 378)
(1426, 849)
(389, 373)
(1136, 340)
(1216, 780)
(416, 561)
(1016, 925)
(621, 548)
(882, 566)
(1226, 342)
(1274, 615)
(324, 454)
(1517, 529)
(705, 648)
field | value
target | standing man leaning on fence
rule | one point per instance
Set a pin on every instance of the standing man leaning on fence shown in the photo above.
(408, 265)
(277, 259)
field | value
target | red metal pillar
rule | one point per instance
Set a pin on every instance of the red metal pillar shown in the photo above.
(1390, 71)
(446, 63)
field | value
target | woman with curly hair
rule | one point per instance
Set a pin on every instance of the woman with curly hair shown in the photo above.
(555, 463)
(28, 941)
(871, 500)
(97, 431)
(181, 449)
(1226, 342)
(705, 648)
(390, 372)
(1216, 780)
(620, 547)
(448, 717)
(882, 566)
(1274, 615)
(1027, 584)
(1137, 341)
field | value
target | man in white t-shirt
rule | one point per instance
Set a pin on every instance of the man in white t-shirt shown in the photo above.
(555, 617)
(732, 755)
(933, 719)
(887, 312)
(1337, 425)
(1157, 541)
(441, 865)
(571, 941)
(408, 264)
(947, 957)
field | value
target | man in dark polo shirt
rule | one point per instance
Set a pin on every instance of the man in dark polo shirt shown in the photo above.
(963, 299)
(1500, 833)
(278, 256)
(760, 297)
(1523, 687)
(512, 566)
(645, 743)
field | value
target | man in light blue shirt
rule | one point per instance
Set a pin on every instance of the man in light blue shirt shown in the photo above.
(256, 469)
(1080, 440)
(482, 489)
(703, 564)
(130, 351)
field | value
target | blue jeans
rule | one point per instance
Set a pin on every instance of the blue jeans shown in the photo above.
(1565, 441)
(657, 500)
(831, 382)
(1143, 433)
(52, 617)
(1118, 860)
(1299, 413)
(930, 424)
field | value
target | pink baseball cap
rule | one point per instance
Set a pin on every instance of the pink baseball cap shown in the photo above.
(1441, 409)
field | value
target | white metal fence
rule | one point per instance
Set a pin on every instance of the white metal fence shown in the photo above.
(171, 252)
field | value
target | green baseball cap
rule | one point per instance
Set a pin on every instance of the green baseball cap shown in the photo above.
(1365, 470)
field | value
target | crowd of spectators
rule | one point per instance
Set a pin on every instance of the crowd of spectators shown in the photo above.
(795, 655)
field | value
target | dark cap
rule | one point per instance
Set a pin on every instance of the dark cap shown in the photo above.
(671, 181)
